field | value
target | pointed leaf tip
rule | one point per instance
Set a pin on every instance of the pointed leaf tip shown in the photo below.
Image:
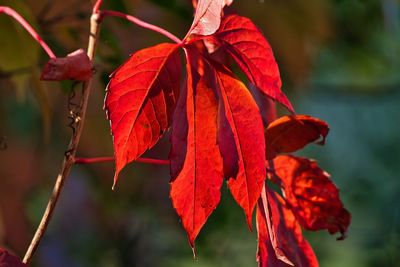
(114, 186)
(193, 251)
(196, 163)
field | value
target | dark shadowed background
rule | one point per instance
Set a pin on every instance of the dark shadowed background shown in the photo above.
(340, 61)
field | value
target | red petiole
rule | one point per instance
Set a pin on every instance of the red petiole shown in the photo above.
(141, 160)
(105, 13)
(106, 159)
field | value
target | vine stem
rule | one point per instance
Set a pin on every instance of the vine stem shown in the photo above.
(141, 23)
(12, 13)
(96, 6)
(146, 160)
(69, 160)
(107, 159)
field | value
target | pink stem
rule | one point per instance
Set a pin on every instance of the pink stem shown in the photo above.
(96, 7)
(142, 160)
(12, 13)
(106, 159)
(153, 161)
(142, 24)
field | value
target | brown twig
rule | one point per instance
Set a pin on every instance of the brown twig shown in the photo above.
(71, 151)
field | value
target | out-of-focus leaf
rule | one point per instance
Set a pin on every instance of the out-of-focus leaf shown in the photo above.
(40, 94)
(18, 52)
(19, 56)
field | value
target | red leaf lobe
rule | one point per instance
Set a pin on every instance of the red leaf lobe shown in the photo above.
(196, 163)
(311, 195)
(249, 48)
(140, 100)
(241, 142)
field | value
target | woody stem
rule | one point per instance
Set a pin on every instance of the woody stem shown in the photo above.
(69, 160)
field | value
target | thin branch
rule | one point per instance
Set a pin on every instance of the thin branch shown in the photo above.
(73, 145)
(96, 7)
(107, 159)
(105, 13)
(12, 13)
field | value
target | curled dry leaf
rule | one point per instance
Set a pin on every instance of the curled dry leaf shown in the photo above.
(9, 260)
(75, 66)
(291, 133)
(280, 239)
(311, 195)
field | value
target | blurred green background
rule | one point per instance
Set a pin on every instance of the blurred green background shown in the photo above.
(340, 61)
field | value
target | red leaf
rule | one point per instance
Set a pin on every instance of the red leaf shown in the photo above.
(140, 99)
(241, 141)
(246, 44)
(291, 133)
(280, 239)
(76, 66)
(311, 195)
(208, 16)
(9, 260)
(196, 163)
